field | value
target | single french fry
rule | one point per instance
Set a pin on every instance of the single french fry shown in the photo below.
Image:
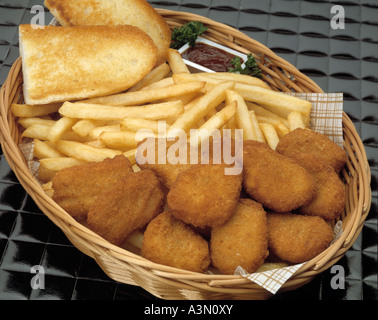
(201, 107)
(27, 122)
(242, 118)
(237, 77)
(44, 149)
(61, 126)
(42, 132)
(119, 140)
(156, 111)
(277, 102)
(48, 167)
(176, 62)
(166, 82)
(217, 121)
(264, 119)
(96, 132)
(155, 75)
(82, 151)
(151, 95)
(59, 163)
(96, 143)
(213, 78)
(260, 111)
(281, 129)
(256, 126)
(84, 126)
(181, 78)
(25, 110)
(37, 131)
(270, 134)
(220, 118)
(134, 124)
(295, 119)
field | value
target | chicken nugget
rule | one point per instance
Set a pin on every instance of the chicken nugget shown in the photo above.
(296, 238)
(77, 187)
(127, 205)
(204, 196)
(329, 201)
(242, 240)
(276, 181)
(305, 140)
(171, 242)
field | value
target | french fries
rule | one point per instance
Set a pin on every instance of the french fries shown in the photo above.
(156, 74)
(167, 102)
(85, 152)
(203, 106)
(270, 134)
(82, 110)
(276, 102)
(27, 111)
(217, 121)
(242, 118)
(149, 95)
(175, 62)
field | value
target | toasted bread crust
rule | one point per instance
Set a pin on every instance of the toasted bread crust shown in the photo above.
(71, 63)
(114, 12)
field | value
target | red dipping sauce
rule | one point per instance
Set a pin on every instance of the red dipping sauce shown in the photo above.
(209, 57)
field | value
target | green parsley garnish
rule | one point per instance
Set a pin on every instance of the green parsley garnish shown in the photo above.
(250, 68)
(187, 33)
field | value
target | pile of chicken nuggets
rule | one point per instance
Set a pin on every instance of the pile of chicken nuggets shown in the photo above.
(279, 208)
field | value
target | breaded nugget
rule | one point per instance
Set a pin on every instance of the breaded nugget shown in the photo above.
(274, 180)
(242, 240)
(204, 196)
(171, 242)
(329, 201)
(76, 188)
(162, 161)
(305, 140)
(296, 238)
(127, 205)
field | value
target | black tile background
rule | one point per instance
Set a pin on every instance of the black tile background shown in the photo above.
(299, 31)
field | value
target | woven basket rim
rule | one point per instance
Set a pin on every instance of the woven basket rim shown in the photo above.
(358, 171)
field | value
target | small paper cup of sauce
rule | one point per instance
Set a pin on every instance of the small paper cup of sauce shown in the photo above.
(209, 56)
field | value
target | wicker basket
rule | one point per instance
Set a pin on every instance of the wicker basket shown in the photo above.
(171, 283)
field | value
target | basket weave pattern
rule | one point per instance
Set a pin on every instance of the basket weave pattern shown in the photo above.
(171, 283)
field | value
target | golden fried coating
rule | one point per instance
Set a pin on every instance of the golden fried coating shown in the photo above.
(171, 242)
(304, 140)
(276, 181)
(76, 188)
(127, 205)
(204, 196)
(329, 201)
(242, 240)
(296, 238)
(162, 162)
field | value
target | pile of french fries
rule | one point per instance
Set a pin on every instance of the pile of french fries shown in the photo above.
(71, 133)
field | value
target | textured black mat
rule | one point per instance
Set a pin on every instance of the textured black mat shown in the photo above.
(338, 60)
